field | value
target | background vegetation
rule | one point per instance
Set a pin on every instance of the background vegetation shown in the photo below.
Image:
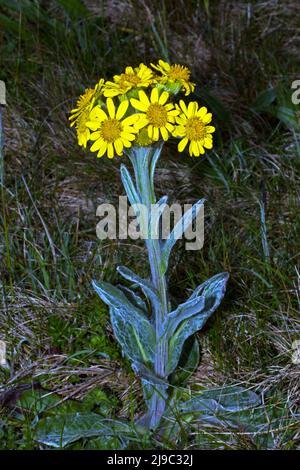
(60, 349)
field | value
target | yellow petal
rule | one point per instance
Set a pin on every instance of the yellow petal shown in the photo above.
(163, 98)
(173, 112)
(183, 107)
(126, 143)
(196, 149)
(102, 150)
(202, 111)
(207, 118)
(164, 65)
(154, 95)
(95, 135)
(140, 123)
(180, 130)
(155, 133)
(111, 107)
(181, 119)
(208, 143)
(170, 127)
(118, 146)
(182, 144)
(138, 104)
(169, 106)
(150, 131)
(97, 114)
(210, 129)
(110, 92)
(143, 97)
(93, 125)
(164, 133)
(122, 109)
(127, 136)
(129, 70)
(191, 109)
(130, 120)
(97, 145)
(110, 150)
(191, 149)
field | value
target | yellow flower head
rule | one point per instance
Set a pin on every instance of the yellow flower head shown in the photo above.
(157, 114)
(86, 101)
(193, 127)
(80, 115)
(141, 76)
(175, 74)
(111, 132)
(83, 133)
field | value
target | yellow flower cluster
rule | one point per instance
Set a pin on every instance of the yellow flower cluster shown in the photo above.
(140, 107)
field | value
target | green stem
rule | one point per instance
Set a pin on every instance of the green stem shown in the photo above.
(142, 160)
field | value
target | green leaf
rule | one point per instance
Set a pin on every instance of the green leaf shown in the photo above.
(129, 186)
(131, 327)
(230, 399)
(288, 116)
(60, 431)
(183, 312)
(264, 100)
(154, 159)
(156, 214)
(188, 362)
(212, 292)
(178, 231)
(148, 289)
(134, 298)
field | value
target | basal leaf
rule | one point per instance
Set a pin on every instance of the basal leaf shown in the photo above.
(61, 430)
(229, 399)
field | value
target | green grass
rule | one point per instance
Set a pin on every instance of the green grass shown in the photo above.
(59, 340)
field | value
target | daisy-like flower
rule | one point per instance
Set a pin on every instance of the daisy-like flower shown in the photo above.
(83, 133)
(138, 77)
(173, 74)
(86, 101)
(80, 114)
(157, 114)
(111, 132)
(193, 127)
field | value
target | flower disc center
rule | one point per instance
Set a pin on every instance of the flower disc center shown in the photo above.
(111, 130)
(178, 72)
(157, 115)
(195, 129)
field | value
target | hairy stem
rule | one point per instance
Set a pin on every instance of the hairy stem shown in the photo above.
(142, 160)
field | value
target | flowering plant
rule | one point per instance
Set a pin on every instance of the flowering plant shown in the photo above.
(138, 108)
(134, 114)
